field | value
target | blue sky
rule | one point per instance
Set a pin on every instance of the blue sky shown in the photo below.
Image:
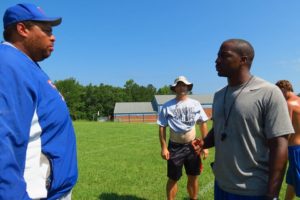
(154, 41)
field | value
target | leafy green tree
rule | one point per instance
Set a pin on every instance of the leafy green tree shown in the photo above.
(90, 98)
(164, 90)
(137, 93)
(131, 90)
(101, 100)
(92, 101)
(108, 96)
(150, 92)
(72, 92)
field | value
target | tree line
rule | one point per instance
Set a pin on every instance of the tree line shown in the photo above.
(88, 102)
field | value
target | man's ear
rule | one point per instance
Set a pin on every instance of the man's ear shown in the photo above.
(244, 59)
(22, 29)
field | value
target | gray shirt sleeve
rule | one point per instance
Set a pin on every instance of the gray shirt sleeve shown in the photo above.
(276, 116)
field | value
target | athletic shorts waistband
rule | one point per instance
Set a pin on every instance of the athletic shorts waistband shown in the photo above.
(294, 147)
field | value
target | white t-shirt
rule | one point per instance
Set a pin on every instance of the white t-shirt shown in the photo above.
(181, 116)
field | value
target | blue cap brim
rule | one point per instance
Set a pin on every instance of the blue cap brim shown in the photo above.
(54, 21)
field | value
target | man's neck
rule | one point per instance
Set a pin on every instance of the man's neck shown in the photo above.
(292, 96)
(181, 97)
(239, 79)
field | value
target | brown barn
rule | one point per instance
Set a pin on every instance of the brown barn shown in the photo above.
(148, 111)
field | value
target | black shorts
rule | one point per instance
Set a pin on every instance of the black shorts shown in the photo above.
(182, 154)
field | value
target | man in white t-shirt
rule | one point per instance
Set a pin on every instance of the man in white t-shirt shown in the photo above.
(181, 114)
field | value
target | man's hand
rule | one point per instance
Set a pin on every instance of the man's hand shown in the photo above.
(165, 154)
(204, 153)
(197, 145)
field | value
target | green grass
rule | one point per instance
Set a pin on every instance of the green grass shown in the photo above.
(120, 161)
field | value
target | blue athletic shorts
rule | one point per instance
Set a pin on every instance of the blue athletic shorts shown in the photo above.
(293, 172)
(182, 155)
(222, 195)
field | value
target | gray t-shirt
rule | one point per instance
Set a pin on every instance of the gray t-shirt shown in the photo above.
(259, 113)
(181, 116)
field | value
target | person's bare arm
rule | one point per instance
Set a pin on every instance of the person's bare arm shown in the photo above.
(278, 156)
(162, 138)
(204, 131)
(290, 108)
(206, 143)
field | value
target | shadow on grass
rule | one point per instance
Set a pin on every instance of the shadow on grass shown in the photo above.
(114, 196)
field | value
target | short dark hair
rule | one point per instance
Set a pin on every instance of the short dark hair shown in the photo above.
(285, 85)
(10, 30)
(243, 48)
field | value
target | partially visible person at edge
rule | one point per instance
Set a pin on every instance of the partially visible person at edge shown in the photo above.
(293, 172)
(181, 114)
(37, 147)
(250, 129)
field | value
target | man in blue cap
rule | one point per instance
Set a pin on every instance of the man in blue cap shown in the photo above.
(38, 146)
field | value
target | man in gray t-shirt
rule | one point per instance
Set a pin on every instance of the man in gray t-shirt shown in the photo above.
(250, 129)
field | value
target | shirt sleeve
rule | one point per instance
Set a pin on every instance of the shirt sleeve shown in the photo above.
(277, 120)
(162, 117)
(201, 115)
(16, 110)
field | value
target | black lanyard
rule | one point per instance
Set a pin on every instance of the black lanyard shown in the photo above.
(224, 134)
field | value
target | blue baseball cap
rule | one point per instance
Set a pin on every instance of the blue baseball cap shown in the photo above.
(25, 12)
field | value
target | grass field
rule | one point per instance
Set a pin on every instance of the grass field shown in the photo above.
(119, 161)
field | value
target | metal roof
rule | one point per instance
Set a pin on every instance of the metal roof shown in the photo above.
(203, 99)
(146, 107)
(133, 107)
